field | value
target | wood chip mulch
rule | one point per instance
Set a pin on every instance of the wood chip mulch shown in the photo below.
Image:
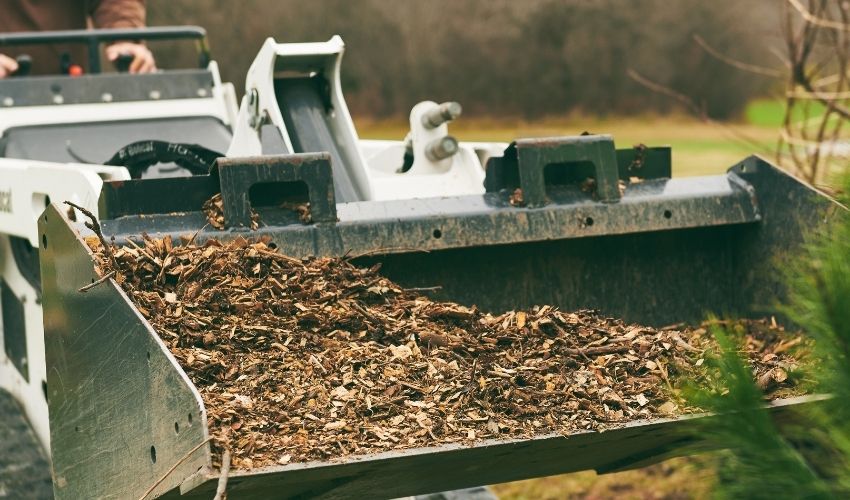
(316, 358)
(213, 208)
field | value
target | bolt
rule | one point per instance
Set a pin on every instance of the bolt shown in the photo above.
(441, 114)
(442, 148)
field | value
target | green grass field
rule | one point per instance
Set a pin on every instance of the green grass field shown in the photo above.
(771, 113)
(698, 148)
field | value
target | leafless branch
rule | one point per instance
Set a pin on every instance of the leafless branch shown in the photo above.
(171, 469)
(103, 279)
(752, 68)
(819, 95)
(695, 109)
(94, 225)
(661, 89)
(816, 20)
(221, 489)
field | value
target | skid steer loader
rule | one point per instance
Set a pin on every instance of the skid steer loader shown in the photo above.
(500, 226)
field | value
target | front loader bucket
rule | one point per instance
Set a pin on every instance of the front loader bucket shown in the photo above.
(125, 419)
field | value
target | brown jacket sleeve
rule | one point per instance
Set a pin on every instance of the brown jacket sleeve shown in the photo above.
(117, 13)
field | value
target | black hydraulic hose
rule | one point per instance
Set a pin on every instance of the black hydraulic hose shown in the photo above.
(139, 156)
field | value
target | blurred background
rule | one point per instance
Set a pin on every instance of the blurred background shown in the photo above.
(531, 59)
(715, 80)
(532, 68)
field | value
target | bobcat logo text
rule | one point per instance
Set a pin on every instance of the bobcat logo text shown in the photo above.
(6, 201)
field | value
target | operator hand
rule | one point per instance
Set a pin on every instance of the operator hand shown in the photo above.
(7, 66)
(142, 57)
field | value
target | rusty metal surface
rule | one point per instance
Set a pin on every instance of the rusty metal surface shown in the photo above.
(122, 412)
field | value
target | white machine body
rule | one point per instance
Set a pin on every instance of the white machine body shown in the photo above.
(374, 167)
(27, 186)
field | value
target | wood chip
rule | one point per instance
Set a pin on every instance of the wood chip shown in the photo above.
(316, 358)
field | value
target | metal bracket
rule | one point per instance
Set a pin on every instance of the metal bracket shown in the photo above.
(255, 120)
(238, 175)
(534, 155)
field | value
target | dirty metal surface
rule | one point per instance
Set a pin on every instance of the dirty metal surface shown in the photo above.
(535, 156)
(479, 220)
(656, 277)
(639, 162)
(792, 213)
(239, 175)
(24, 470)
(426, 470)
(122, 412)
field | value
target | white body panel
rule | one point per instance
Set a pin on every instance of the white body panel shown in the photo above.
(260, 104)
(25, 187)
(29, 182)
(221, 105)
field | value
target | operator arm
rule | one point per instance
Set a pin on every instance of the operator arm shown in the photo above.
(124, 14)
(7, 66)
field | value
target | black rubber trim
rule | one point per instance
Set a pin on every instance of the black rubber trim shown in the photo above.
(26, 258)
(14, 329)
(139, 156)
